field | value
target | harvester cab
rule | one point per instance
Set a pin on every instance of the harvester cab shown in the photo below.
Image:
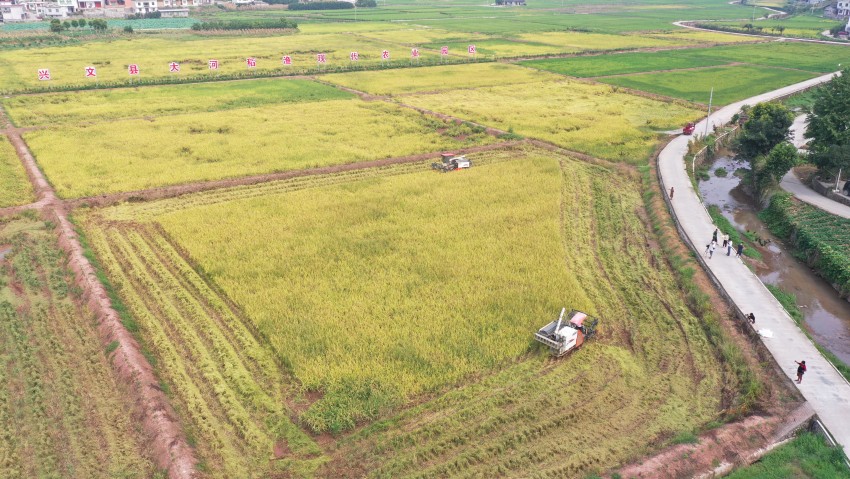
(567, 334)
(451, 162)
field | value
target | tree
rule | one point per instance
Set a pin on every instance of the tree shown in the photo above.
(75, 23)
(128, 29)
(55, 26)
(767, 126)
(829, 124)
(781, 29)
(781, 158)
(82, 22)
(66, 25)
(99, 25)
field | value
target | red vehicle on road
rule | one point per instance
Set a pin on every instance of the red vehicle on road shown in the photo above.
(688, 129)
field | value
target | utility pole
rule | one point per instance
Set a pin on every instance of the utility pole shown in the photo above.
(710, 98)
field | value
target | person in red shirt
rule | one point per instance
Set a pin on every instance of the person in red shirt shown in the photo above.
(801, 368)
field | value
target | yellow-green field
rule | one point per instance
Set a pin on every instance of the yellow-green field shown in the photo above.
(99, 106)
(140, 154)
(15, 188)
(153, 55)
(587, 118)
(438, 78)
(384, 286)
(599, 41)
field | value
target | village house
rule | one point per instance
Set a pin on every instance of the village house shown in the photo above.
(839, 10)
(13, 12)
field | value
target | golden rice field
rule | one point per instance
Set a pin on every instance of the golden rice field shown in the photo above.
(15, 188)
(440, 78)
(409, 296)
(100, 106)
(121, 156)
(63, 413)
(154, 53)
(583, 41)
(588, 118)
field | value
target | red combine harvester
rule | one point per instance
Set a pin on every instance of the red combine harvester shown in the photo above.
(563, 337)
(451, 162)
(689, 128)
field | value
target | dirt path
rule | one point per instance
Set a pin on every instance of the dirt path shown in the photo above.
(152, 408)
(183, 189)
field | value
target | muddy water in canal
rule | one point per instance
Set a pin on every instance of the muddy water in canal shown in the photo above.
(827, 317)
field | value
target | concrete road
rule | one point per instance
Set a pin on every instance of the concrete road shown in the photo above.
(793, 185)
(825, 389)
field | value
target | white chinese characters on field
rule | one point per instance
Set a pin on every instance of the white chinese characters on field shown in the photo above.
(213, 64)
(471, 49)
(385, 55)
(251, 62)
(133, 69)
(414, 53)
(174, 67)
(91, 72)
(354, 56)
(444, 51)
(44, 74)
(321, 59)
(287, 60)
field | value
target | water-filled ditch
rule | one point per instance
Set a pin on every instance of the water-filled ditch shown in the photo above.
(826, 315)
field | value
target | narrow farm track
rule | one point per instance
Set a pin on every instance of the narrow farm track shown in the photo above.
(188, 188)
(153, 410)
(824, 387)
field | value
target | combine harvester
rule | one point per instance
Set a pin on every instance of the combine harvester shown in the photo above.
(565, 337)
(451, 162)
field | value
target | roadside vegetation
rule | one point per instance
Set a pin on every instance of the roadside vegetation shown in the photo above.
(808, 456)
(820, 239)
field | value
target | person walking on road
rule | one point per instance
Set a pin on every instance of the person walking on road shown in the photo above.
(801, 369)
(752, 318)
(725, 240)
(740, 250)
(729, 249)
(714, 236)
(672, 190)
(711, 249)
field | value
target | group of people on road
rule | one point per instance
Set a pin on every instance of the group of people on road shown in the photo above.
(728, 245)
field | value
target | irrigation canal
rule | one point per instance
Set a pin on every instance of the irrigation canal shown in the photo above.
(826, 315)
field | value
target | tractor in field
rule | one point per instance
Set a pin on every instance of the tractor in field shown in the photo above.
(563, 337)
(451, 162)
(689, 128)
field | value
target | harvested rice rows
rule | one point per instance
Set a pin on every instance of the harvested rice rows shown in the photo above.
(227, 385)
(62, 412)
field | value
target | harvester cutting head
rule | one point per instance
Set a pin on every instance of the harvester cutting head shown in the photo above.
(563, 337)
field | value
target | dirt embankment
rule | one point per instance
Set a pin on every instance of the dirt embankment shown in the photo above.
(171, 450)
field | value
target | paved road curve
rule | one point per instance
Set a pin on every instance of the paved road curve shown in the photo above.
(823, 387)
(793, 185)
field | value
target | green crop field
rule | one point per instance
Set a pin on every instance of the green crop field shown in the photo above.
(592, 119)
(15, 188)
(357, 284)
(623, 63)
(730, 84)
(62, 411)
(100, 106)
(112, 157)
(808, 57)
